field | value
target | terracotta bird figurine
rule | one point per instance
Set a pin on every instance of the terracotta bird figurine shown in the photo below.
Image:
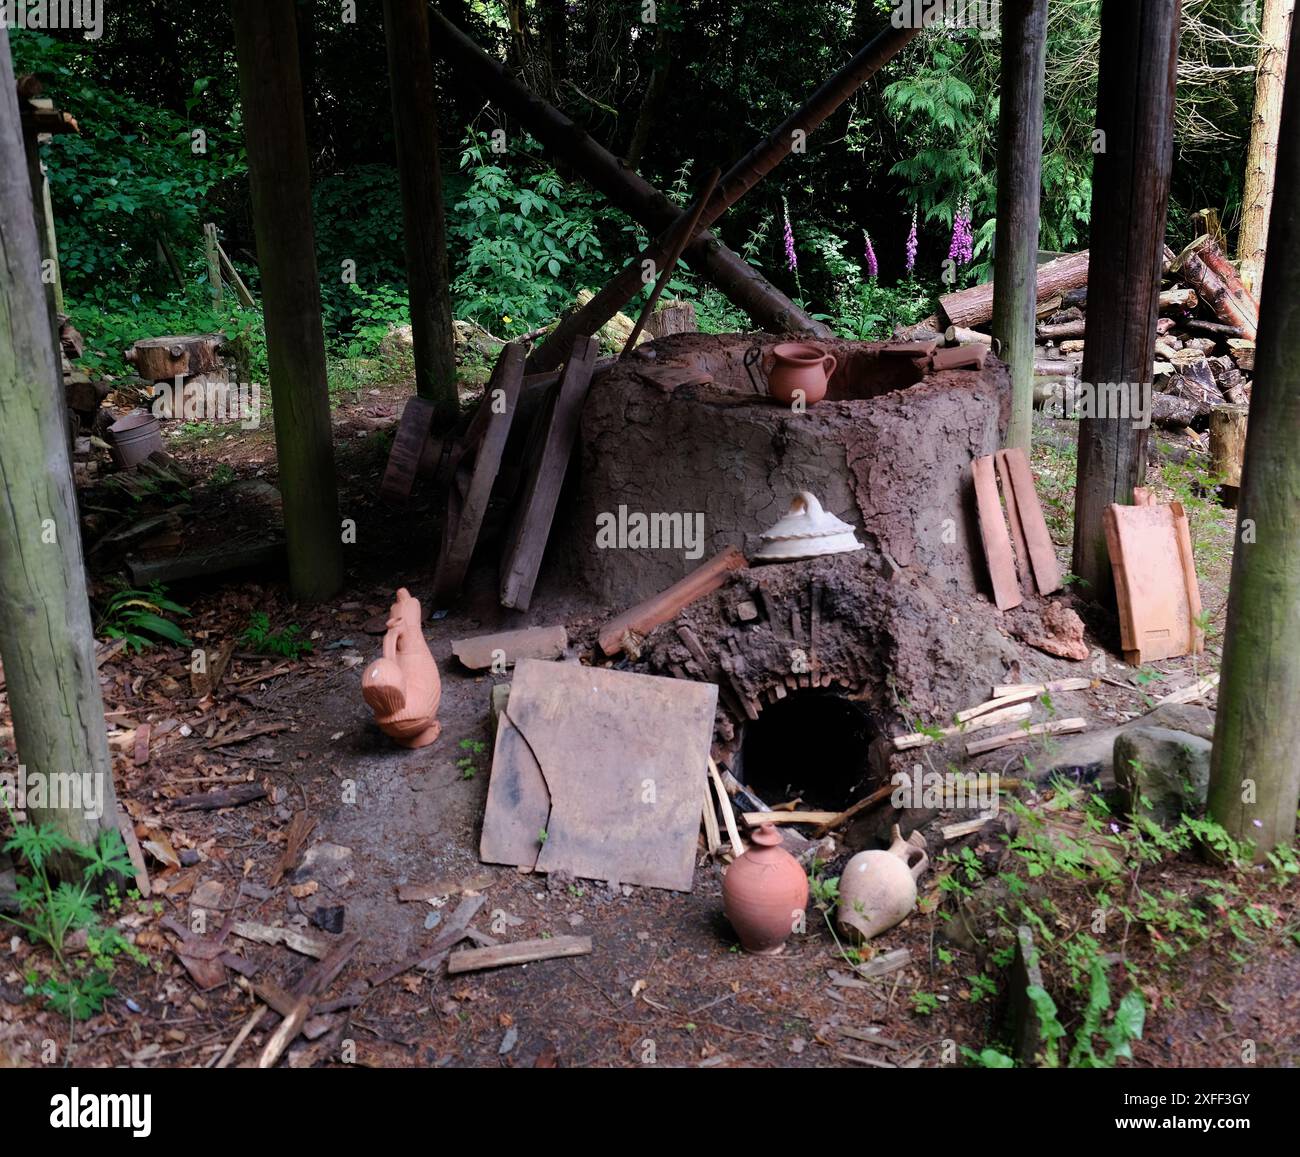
(403, 688)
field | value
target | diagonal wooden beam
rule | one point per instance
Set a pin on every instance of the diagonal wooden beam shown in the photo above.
(621, 185)
(744, 286)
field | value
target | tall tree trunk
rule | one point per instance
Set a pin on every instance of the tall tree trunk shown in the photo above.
(661, 66)
(1130, 200)
(415, 124)
(266, 46)
(1261, 158)
(1020, 169)
(1255, 766)
(46, 636)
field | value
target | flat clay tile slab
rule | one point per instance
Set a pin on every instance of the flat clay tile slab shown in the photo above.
(1155, 581)
(611, 766)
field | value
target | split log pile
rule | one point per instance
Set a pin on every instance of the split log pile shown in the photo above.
(1204, 356)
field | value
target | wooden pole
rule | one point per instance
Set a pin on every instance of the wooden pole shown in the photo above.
(685, 233)
(275, 138)
(46, 635)
(1261, 157)
(743, 285)
(415, 126)
(1020, 168)
(1255, 765)
(210, 248)
(1130, 197)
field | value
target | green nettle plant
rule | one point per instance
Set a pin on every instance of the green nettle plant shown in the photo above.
(51, 914)
(522, 238)
(286, 642)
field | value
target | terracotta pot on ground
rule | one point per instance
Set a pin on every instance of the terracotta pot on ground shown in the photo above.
(764, 894)
(878, 889)
(403, 688)
(799, 366)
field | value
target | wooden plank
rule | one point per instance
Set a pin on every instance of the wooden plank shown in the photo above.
(757, 819)
(712, 834)
(659, 609)
(465, 514)
(531, 643)
(536, 508)
(1002, 690)
(520, 952)
(1055, 727)
(407, 449)
(993, 533)
(1023, 566)
(1012, 714)
(1047, 571)
(728, 812)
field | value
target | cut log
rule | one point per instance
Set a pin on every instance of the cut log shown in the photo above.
(1070, 329)
(673, 317)
(1243, 354)
(1228, 447)
(646, 616)
(1203, 266)
(1179, 298)
(960, 335)
(160, 359)
(974, 306)
(1217, 328)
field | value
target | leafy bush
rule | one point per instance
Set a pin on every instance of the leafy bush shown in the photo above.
(265, 641)
(526, 238)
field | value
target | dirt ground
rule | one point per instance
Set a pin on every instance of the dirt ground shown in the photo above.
(665, 984)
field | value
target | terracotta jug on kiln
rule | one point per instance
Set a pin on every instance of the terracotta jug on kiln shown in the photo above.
(799, 367)
(878, 888)
(403, 688)
(764, 894)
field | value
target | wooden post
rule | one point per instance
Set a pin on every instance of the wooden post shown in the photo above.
(1130, 196)
(1020, 168)
(1255, 766)
(266, 47)
(415, 125)
(1261, 157)
(210, 251)
(46, 635)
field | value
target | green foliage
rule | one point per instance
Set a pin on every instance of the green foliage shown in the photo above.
(264, 641)
(139, 617)
(1117, 1035)
(525, 238)
(51, 912)
(133, 175)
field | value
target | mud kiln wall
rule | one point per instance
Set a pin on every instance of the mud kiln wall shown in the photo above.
(681, 427)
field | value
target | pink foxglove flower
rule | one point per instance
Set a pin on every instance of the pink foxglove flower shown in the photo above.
(791, 261)
(912, 245)
(873, 266)
(962, 249)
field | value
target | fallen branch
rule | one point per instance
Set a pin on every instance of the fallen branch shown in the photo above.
(521, 952)
(1056, 727)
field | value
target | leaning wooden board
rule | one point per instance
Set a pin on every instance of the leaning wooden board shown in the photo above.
(469, 490)
(1042, 554)
(993, 533)
(555, 432)
(1155, 582)
(407, 450)
(599, 773)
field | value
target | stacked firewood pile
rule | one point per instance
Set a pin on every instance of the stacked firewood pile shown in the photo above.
(1204, 353)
